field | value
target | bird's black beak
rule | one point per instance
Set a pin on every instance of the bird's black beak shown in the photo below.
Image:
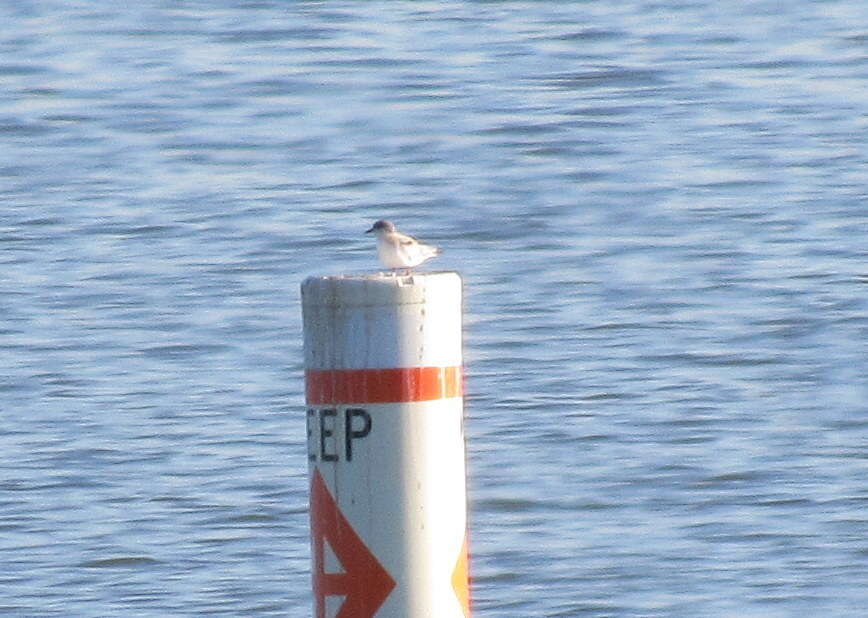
(369, 231)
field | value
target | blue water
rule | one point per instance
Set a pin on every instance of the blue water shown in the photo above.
(660, 213)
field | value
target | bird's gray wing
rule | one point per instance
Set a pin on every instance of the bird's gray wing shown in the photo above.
(406, 240)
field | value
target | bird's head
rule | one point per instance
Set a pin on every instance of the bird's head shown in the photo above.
(382, 227)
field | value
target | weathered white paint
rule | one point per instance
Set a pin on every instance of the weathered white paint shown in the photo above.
(382, 321)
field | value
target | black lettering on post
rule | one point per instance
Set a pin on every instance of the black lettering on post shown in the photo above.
(311, 454)
(326, 432)
(350, 433)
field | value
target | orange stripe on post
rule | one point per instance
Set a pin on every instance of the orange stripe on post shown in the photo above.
(337, 386)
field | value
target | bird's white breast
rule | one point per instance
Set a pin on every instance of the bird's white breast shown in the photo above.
(392, 254)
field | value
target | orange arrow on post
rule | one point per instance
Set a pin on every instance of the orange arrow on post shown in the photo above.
(365, 584)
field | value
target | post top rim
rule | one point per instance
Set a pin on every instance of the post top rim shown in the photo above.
(384, 277)
(380, 288)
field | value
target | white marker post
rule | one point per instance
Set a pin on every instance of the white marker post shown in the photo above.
(386, 445)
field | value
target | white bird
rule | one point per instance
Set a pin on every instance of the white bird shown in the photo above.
(397, 250)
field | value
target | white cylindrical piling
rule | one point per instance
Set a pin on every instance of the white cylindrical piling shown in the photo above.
(383, 371)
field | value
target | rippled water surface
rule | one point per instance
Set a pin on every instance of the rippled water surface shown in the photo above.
(660, 213)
